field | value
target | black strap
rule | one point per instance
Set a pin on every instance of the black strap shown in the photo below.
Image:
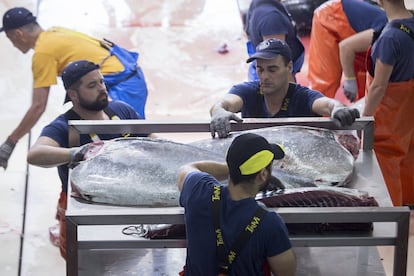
(227, 257)
(106, 44)
(221, 250)
(111, 114)
(72, 115)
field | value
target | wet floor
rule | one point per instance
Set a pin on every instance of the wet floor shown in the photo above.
(191, 51)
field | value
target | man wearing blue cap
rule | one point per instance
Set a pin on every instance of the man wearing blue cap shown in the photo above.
(53, 50)
(273, 96)
(86, 89)
(216, 216)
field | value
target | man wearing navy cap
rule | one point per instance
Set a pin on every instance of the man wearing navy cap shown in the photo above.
(273, 96)
(216, 215)
(16, 18)
(86, 89)
(53, 50)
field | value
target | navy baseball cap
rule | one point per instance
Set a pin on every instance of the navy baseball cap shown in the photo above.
(76, 70)
(249, 153)
(270, 49)
(16, 18)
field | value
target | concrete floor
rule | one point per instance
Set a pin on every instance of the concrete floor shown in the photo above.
(177, 41)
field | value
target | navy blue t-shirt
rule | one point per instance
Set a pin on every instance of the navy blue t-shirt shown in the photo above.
(362, 15)
(269, 239)
(297, 103)
(266, 19)
(395, 47)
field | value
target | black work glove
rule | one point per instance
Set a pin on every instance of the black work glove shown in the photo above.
(77, 154)
(6, 149)
(344, 116)
(220, 123)
(87, 151)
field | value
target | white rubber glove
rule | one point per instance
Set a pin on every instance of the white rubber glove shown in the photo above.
(350, 89)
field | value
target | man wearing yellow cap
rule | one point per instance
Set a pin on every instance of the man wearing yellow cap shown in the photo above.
(216, 216)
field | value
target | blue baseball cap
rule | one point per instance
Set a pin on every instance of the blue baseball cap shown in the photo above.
(270, 49)
(17, 17)
(76, 70)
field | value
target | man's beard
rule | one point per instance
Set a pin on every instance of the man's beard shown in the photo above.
(272, 183)
(266, 184)
(99, 104)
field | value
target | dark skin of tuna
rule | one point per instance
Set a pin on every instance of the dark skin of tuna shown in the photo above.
(312, 198)
(320, 198)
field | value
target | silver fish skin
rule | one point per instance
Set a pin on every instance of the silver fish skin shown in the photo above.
(142, 171)
(313, 156)
(135, 172)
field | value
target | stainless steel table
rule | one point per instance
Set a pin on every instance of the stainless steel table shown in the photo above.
(97, 227)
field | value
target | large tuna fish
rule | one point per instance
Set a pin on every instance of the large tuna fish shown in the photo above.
(135, 172)
(142, 171)
(314, 156)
